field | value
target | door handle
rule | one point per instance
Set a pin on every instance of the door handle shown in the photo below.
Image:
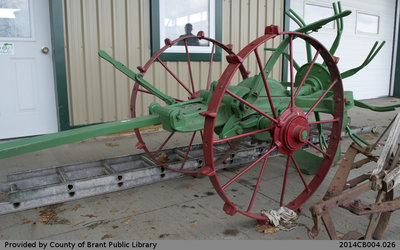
(45, 50)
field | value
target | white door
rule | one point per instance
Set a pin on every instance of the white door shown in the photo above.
(369, 21)
(27, 91)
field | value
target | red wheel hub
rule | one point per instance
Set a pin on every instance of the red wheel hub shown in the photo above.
(292, 131)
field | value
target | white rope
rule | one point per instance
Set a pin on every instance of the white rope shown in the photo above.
(281, 215)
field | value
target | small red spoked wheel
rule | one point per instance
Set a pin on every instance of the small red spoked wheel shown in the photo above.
(182, 80)
(288, 127)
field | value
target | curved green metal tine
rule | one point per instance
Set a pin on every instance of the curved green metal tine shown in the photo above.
(309, 27)
(356, 138)
(321, 137)
(341, 18)
(361, 139)
(374, 51)
(297, 16)
(318, 24)
(308, 50)
(338, 9)
(308, 46)
(360, 104)
(371, 52)
(339, 28)
(294, 19)
(335, 10)
(287, 56)
(322, 142)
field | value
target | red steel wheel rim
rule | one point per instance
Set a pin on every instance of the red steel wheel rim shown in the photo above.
(188, 88)
(289, 131)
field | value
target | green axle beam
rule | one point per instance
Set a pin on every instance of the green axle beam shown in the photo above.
(36, 143)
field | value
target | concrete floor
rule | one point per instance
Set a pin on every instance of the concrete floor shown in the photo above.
(185, 208)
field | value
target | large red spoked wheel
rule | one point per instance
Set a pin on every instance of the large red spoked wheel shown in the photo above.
(289, 130)
(181, 79)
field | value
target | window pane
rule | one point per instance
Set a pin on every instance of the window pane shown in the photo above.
(313, 13)
(367, 23)
(15, 19)
(184, 18)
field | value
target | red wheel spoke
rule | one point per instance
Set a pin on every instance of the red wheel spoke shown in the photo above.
(300, 174)
(306, 75)
(187, 151)
(284, 180)
(326, 121)
(174, 76)
(248, 168)
(321, 97)
(241, 135)
(145, 91)
(201, 134)
(190, 67)
(210, 67)
(162, 145)
(253, 197)
(178, 100)
(291, 72)
(260, 66)
(251, 105)
(317, 148)
(148, 92)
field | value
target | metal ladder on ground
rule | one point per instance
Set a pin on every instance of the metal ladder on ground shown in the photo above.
(46, 186)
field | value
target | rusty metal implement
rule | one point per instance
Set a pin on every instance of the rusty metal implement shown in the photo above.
(343, 192)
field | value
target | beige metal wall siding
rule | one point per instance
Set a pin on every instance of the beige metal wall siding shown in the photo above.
(99, 93)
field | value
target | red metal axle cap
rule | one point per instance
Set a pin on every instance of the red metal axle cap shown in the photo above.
(292, 131)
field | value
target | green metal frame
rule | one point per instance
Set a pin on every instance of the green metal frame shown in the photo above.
(137, 77)
(31, 144)
(60, 73)
(155, 36)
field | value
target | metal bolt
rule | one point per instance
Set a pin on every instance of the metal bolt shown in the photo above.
(304, 135)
